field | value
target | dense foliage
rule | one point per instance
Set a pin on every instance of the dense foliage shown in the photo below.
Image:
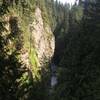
(79, 65)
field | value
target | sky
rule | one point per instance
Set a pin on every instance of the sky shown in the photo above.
(68, 1)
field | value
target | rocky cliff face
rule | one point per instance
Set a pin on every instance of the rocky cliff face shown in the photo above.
(43, 37)
(40, 38)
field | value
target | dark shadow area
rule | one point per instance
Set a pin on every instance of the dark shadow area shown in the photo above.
(79, 65)
(59, 43)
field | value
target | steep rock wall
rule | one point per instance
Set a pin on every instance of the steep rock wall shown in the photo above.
(44, 41)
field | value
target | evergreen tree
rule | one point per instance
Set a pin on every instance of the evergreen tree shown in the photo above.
(79, 79)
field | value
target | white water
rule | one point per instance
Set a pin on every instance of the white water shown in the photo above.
(53, 75)
(53, 81)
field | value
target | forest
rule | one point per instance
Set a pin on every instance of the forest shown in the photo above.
(49, 50)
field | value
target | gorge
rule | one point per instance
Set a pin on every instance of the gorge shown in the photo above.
(49, 50)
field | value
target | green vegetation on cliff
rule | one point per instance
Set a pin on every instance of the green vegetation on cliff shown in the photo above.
(20, 72)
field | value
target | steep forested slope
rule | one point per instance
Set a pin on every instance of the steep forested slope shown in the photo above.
(79, 65)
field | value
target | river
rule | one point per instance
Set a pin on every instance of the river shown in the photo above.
(53, 75)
